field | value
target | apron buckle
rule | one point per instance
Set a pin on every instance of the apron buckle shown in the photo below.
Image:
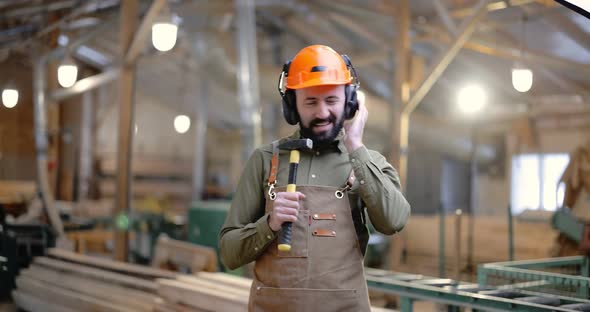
(340, 193)
(272, 195)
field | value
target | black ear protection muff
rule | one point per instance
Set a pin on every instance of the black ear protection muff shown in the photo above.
(290, 113)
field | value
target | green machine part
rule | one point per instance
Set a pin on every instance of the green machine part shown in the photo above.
(205, 219)
(568, 224)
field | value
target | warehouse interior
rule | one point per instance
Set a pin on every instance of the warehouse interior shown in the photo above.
(125, 127)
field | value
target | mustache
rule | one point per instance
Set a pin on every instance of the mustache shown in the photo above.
(317, 121)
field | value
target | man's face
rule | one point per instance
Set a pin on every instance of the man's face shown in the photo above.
(321, 112)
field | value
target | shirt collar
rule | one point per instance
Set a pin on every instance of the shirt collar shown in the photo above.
(338, 141)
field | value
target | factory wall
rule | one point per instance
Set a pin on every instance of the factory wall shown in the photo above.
(17, 143)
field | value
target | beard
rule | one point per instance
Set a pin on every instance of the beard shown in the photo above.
(325, 137)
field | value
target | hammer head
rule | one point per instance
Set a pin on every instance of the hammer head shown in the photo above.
(300, 145)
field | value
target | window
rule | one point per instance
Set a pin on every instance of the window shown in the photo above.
(534, 181)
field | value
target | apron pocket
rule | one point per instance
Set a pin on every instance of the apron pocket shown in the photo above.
(304, 299)
(299, 237)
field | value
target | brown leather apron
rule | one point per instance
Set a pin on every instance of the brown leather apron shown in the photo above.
(324, 270)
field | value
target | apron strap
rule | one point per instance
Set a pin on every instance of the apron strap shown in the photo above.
(347, 186)
(274, 167)
(274, 163)
(350, 181)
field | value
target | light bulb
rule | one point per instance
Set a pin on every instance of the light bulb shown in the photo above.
(471, 99)
(9, 97)
(522, 78)
(67, 73)
(164, 35)
(182, 123)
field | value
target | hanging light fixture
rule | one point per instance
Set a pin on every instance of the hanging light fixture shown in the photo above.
(165, 32)
(522, 77)
(471, 99)
(67, 73)
(182, 123)
(10, 96)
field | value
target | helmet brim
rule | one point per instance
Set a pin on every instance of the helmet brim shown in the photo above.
(319, 82)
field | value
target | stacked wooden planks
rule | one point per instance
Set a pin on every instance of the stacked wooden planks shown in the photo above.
(204, 292)
(172, 253)
(490, 243)
(65, 281)
(16, 191)
(152, 177)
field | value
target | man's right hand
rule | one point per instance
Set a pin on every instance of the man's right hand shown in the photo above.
(285, 209)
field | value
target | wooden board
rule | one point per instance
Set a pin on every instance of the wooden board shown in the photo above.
(119, 295)
(12, 191)
(150, 167)
(378, 309)
(490, 243)
(174, 307)
(226, 279)
(112, 265)
(94, 208)
(95, 240)
(73, 300)
(147, 187)
(199, 297)
(201, 283)
(107, 276)
(31, 303)
(17, 187)
(490, 238)
(197, 258)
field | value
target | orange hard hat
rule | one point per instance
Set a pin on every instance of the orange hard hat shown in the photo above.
(317, 65)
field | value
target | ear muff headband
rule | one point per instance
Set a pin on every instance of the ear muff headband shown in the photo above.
(289, 101)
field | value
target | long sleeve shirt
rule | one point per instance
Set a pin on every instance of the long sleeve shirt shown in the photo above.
(246, 233)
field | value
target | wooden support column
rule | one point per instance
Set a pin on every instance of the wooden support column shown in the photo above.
(137, 43)
(247, 75)
(401, 94)
(129, 21)
(200, 127)
(443, 61)
(86, 143)
(53, 122)
(401, 85)
(68, 139)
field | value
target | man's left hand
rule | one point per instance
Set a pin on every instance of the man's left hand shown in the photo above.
(355, 128)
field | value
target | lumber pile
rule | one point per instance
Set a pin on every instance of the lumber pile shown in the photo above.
(65, 281)
(152, 177)
(204, 292)
(532, 240)
(16, 190)
(172, 253)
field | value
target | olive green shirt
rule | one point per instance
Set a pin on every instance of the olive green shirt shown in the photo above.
(246, 233)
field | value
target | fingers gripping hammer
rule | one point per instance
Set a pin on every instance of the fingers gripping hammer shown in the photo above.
(295, 146)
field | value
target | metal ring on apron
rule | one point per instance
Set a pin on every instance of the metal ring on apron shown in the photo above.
(339, 194)
(272, 195)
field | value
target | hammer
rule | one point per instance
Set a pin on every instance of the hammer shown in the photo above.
(294, 146)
